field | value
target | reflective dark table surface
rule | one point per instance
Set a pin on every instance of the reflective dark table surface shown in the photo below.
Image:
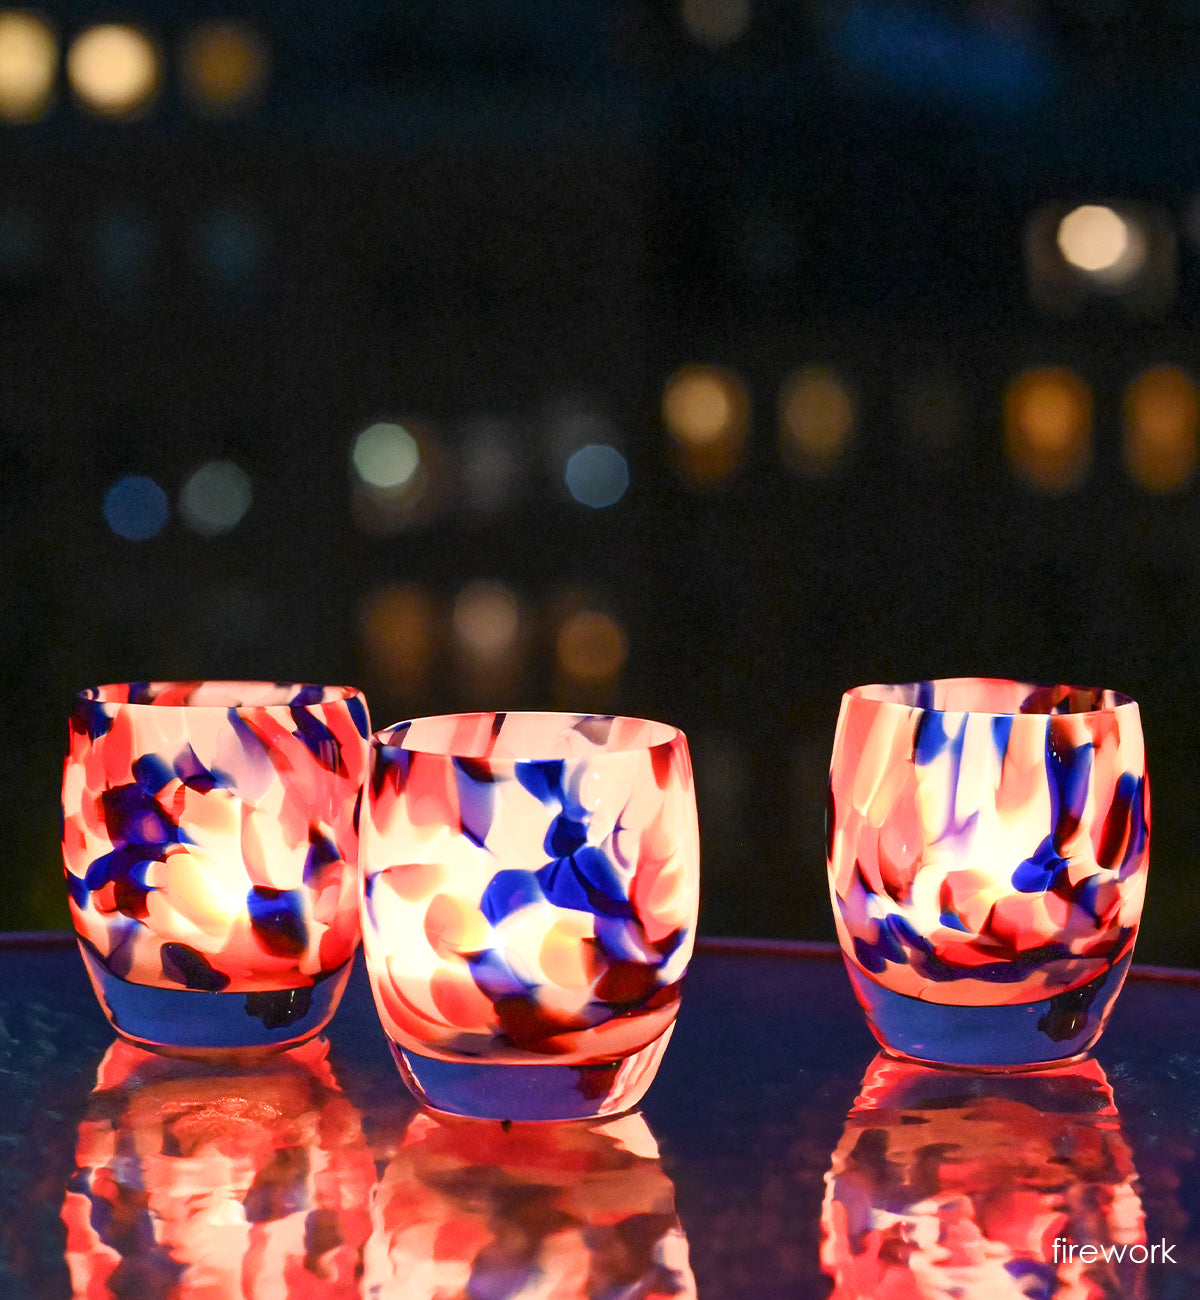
(776, 1155)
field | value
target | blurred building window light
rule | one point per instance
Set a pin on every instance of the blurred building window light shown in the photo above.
(1161, 417)
(28, 65)
(706, 412)
(597, 475)
(224, 68)
(714, 23)
(115, 69)
(397, 473)
(386, 456)
(1048, 428)
(1116, 252)
(486, 619)
(1101, 242)
(398, 630)
(817, 417)
(215, 499)
(136, 508)
(590, 648)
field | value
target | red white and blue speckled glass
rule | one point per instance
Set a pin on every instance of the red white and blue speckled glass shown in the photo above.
(987, 848)
(952, 1184)
(210, 842)
(530, 888)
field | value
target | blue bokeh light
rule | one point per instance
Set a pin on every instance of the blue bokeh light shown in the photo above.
(136, 508)
(597, 475)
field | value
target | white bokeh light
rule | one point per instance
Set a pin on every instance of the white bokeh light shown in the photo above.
(386, 456)
(215, 499)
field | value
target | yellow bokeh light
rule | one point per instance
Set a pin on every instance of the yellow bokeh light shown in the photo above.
(224, 67)
(715, 22)
(486, 619)
(28, 66)
(1101, 242)
(817, 415)
(398, 631)
(1048, 428)
(1162, 428)
(706, 411)
(115, 69)
(591, 647)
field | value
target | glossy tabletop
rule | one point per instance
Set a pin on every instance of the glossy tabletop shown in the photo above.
(750, 1172)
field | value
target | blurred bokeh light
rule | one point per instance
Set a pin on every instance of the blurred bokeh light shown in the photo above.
(214, 499)
(706, 411)
(136, 508)
(224, 67)
(114, 69)
(817, 415)
(28, 65)
(1161, 411)
(1048, 428)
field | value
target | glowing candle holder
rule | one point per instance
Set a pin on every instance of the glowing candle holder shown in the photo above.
(211, 849)
(987, 847)
(530, 887)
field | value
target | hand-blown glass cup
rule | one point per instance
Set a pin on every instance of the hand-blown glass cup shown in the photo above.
(210, 842)
(987, 847)
(530, 886)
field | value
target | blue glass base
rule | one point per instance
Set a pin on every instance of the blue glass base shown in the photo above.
(530, 1092)
(187, 1022)
(1026, 1036)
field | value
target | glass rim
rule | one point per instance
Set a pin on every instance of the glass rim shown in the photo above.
(234, 690)
(1100, 699)
(663, 733)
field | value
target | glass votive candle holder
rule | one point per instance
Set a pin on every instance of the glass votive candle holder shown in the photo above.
(210, 842)
(987, 847)
(530, 889)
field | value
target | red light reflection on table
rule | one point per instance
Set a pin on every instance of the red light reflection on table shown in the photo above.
(947, 1183)
(192, 1182)
(472, 1207)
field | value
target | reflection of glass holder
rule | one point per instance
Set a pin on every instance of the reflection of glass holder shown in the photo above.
(950, 1183)
(473, 1208)
(192, 1179)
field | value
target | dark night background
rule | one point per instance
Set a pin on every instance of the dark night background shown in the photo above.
(518, 229)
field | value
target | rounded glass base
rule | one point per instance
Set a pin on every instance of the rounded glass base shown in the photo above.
(531, 1092)
(1024, 1036)
(187, 1022)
